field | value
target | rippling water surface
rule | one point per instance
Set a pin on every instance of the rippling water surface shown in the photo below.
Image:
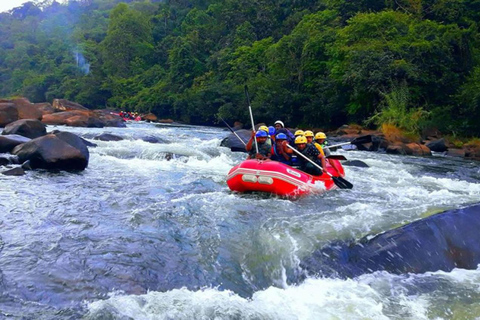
(151, 231)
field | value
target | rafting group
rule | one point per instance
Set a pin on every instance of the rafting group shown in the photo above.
(278, 144)
(286, 164)
(130, 116)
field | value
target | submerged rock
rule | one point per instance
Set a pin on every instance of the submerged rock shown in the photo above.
(108, 137)
(18, 171)
(440, 242)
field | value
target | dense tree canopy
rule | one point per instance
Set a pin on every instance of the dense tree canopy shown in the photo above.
(317, 63)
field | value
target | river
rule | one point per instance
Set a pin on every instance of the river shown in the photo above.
(138, 235)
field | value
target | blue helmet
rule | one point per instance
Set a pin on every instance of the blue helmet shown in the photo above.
(261, 134)
(281, 136)
(271, 130)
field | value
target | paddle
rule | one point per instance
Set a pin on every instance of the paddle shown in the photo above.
(230, 128)
(339, 182)
(336, 157)
(359, 140)
(251, 116)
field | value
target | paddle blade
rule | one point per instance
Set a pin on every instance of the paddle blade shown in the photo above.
(336, 157)
(342, 183)
(362, 140)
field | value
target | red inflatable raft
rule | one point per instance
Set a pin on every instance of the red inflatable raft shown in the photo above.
(280, 179)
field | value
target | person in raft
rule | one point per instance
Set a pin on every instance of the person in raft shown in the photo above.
(320, 143)
(312, 153)
(278, 149)
(264, 148)
(280, 128)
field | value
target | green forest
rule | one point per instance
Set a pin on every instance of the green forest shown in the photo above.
(414, 64)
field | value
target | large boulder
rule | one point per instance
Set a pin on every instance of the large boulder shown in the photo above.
(84, 118)
(417, 149)
(234, 143)
(44, 107)
(75, 141)
(29, 128)
(53, 152)
(60, 118)
(26, 109)
(440, 242)
(8, 113)
(84, 121)
(64, 105)
(150, 117)
(110, 119)
(437, 145)
(8, 142)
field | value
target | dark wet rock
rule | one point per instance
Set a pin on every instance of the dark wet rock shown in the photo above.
(108, 137)
(10, 141)
(51, 152)
(75, 141)
(355, 163)
(379, 143)
(109, 118)
(152, 139)
(8, 113)
(88, 143)
(232, 142)
(27, 165)
(29, 128)
(437, 145)
(440, 242)
(4, 161)
(18, 171)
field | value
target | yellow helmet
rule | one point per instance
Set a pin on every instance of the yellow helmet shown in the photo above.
(300, 139)
(308, 133)
(299, 133)
(320, 135)
(263, 128)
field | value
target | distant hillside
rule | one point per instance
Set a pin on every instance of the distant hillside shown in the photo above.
(411, 64)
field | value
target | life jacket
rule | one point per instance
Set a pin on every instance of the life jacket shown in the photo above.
(320, 148)
(279, 156)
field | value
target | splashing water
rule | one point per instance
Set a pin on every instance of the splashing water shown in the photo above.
(144, 236)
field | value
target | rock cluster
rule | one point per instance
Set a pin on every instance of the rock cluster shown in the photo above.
(29, 144)
(398, 144)
(61, 112)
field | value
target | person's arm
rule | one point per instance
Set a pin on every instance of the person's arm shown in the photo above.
(285, 148)
(285, 154)
(321, 157)
(249, 144)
